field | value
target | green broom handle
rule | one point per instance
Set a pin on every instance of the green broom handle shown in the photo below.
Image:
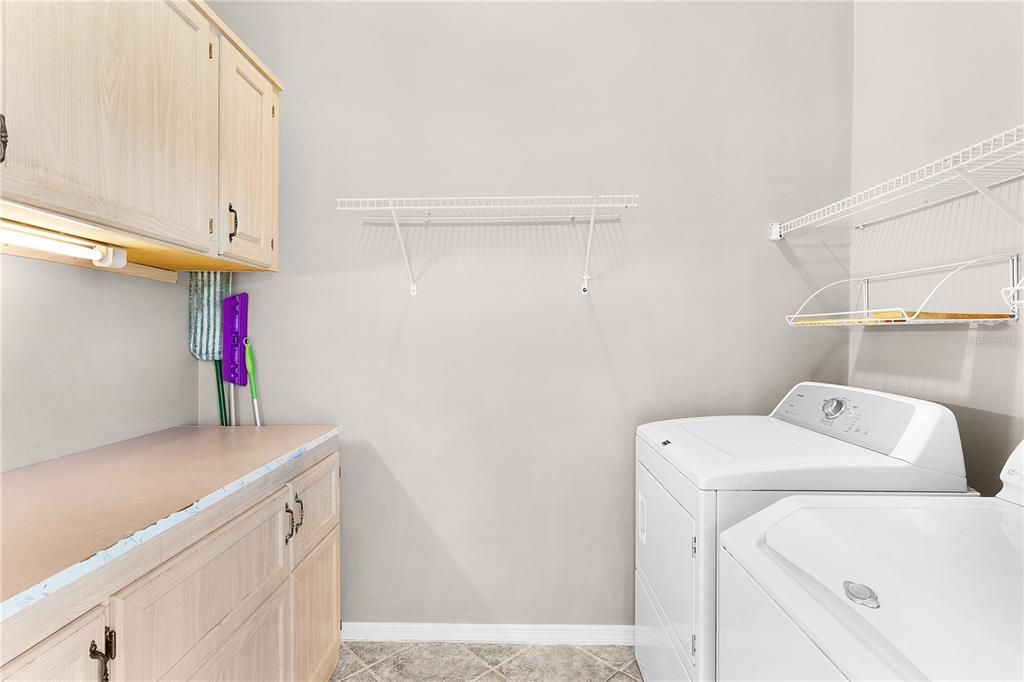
(220, 394)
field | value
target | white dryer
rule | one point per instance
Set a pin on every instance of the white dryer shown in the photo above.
(877, 588)
(696, 477)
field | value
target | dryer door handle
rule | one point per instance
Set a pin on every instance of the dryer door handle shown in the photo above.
(641, 520)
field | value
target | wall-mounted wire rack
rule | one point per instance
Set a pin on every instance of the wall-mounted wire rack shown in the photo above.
(976, 169)
(507, 210)
(898, 315)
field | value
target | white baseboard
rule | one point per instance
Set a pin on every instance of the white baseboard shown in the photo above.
(470, 632)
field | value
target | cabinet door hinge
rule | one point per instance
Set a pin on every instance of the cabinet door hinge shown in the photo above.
(273, 111)
(693, 546)
(211, 50)
(271, 244)
(693, 645)
(211, 225)
(108, 654)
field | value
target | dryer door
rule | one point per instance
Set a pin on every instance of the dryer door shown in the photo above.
(665, 539)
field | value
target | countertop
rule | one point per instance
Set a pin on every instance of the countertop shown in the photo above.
(65, 517)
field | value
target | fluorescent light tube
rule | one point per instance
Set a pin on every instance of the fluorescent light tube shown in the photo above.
(101, 255)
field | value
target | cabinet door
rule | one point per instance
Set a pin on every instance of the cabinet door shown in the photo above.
(63, 656)
(248, 160)
(111, 111)
(316, 589)
(171, 620)
(316, 494)
(260, 649)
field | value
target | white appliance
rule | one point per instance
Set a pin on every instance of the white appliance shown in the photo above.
(696, 477)
(879, 588)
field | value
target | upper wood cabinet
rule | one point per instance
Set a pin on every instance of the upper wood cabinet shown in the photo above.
(111, 115)
(248, 159)
(137, 124)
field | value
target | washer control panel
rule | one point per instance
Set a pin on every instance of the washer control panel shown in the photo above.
(866, 419)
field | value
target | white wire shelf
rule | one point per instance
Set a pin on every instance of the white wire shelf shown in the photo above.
(484, 211)
(976, 169)
(503, 205)
(920, 314)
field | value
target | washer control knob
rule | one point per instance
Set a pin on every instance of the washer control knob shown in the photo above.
(860, 594)
(833, 407)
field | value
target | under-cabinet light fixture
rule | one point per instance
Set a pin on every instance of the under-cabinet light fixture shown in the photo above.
(26, 237)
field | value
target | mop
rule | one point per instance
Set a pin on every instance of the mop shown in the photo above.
(238, 362)
(206, 291)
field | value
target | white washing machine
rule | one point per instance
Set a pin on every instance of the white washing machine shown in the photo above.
(877, 588)
(697, 477)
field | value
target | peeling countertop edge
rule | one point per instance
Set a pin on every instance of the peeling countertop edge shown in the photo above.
(45, 588)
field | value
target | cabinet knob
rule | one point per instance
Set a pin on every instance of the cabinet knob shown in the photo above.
(3, 138)
(108, 654)
(302, 513)
(291, 517)
(234, 216)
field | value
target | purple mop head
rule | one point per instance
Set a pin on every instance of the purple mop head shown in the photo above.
(235, 328)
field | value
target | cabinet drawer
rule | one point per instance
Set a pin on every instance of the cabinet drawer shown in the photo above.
(176, 616)
(259, 649)
(62, 656)
(315, 494)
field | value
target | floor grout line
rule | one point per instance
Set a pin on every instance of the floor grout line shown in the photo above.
(494, 668)
(383, 658)
(623, 670)
(615, 669)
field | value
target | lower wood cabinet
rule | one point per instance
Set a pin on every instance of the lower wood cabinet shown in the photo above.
(64, 655)
(175, 617)
(261, 649)
(249, 601)
(315, 494)
(316, 596)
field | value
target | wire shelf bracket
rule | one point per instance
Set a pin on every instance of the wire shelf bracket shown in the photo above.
(405, 253)
(492, 210)
(974, 170)
(868, 315)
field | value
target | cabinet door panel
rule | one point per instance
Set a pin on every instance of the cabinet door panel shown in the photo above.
(260, 649)
(175, 617)
(62, 657)
(316, 494)
(316, 585)
(248, 156)
(111, 111)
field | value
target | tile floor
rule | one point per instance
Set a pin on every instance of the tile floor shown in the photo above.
(451, 662)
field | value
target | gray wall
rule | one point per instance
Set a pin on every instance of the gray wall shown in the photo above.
(88, 358)
(488, 421)
(931, 78)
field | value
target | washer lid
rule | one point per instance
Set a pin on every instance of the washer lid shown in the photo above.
(905, 587)
(765, 453)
